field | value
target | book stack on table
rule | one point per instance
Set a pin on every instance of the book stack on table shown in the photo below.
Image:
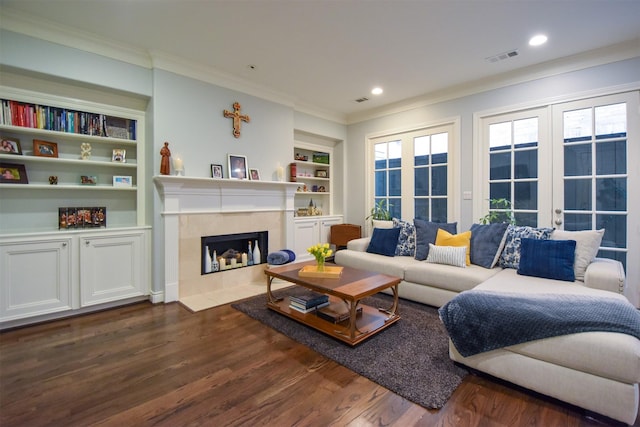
(336, 313)
(308, 302)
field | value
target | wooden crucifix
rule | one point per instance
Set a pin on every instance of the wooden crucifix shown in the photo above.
(237, 118)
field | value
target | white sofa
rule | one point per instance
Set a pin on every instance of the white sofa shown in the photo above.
(598, 371)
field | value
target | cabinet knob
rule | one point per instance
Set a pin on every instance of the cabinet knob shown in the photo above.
(87, 243)
(64, 244)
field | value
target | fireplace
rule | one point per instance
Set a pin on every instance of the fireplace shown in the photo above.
(197, 207)
(229, 251)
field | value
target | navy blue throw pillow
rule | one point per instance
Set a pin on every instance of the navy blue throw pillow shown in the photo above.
(487, 241)
(549, 259)
(426, 232)
(384, 241)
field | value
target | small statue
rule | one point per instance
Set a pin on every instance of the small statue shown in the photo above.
(85, 150)
(165, 165)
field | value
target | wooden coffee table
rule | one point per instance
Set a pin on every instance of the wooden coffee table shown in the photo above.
(350, 288)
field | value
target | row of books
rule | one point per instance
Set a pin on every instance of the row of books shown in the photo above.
(308, 302)
(314, 302)
(36, 116)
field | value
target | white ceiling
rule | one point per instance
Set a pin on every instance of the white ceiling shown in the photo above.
(325, 54)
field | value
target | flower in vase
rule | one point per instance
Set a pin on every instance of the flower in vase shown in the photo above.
(320, 252)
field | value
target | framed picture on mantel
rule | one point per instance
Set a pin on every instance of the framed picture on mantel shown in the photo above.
(237, 166)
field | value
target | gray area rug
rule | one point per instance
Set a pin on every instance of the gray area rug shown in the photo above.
(409, 358)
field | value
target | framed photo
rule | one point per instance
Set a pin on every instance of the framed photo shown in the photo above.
(88, 180)
(322, 174)
(45, 148)
(237, 166)
(72, 217)
(10, 146)
(122, 181)
(119, 155)
(216, 171)
(254, 174)
(13, 174)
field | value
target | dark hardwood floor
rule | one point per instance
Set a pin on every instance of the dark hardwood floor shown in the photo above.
(146, 364)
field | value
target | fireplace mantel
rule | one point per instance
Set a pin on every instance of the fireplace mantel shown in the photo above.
(188, 194)
(183, 196)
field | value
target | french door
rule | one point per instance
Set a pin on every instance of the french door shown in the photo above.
(596, 150)
(571, 166)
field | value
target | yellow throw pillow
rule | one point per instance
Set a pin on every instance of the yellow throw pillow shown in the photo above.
(444, 238)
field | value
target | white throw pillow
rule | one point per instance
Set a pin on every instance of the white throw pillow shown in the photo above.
(587, 245)
(449, 255)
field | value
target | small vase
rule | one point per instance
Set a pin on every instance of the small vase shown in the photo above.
(257, 256)
(320, 266)
(215, 265)
(207, 260)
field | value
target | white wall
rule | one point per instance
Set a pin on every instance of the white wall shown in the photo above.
(54, 60)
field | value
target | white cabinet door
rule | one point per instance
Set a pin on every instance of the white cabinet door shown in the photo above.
(112, 267)
(306, 235)
(36, 278)
(325, 228)
(311, 231)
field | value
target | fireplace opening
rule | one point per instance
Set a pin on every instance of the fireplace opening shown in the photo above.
(230, 251)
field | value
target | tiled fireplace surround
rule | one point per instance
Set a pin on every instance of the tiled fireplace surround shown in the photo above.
(197, 207)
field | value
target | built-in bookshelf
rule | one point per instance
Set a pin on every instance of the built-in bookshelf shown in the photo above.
(72, 217)
(68, 152)
(311, 169)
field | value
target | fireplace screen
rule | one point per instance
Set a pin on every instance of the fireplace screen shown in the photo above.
(230, 251)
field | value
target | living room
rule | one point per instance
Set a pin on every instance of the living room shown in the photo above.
(182, 102)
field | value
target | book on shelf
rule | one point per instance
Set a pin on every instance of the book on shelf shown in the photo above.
(310, 309)
(309, 299)
(307, 306)
(336, 313)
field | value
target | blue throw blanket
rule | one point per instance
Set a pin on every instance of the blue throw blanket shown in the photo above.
(479, 321)
(283, 256)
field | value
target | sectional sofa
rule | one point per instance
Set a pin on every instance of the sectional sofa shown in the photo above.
(595, 370)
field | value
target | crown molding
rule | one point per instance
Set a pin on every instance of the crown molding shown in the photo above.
(605, 55)
(28, 25)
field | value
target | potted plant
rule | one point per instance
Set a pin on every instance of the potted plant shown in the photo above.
(503, 212)
(380, 215)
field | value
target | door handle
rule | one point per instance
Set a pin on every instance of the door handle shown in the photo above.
(558, 220)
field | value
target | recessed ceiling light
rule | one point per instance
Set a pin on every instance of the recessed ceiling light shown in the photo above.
(538, 40)
(376, 91)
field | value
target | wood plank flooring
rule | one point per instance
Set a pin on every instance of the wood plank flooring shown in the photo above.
(161, 365)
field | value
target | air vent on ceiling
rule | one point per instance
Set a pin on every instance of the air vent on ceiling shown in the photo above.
(502, 56)
(364, 98)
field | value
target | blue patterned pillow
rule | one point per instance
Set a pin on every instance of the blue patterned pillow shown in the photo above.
(549, 259)
(384, 241)
(510, 257)
(406, 239)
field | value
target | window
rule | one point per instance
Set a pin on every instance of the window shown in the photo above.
(513, 167)
(594, 147)
(412, 173)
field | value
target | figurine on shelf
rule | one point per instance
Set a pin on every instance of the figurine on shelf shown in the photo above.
(165, 166)
(85, 150)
